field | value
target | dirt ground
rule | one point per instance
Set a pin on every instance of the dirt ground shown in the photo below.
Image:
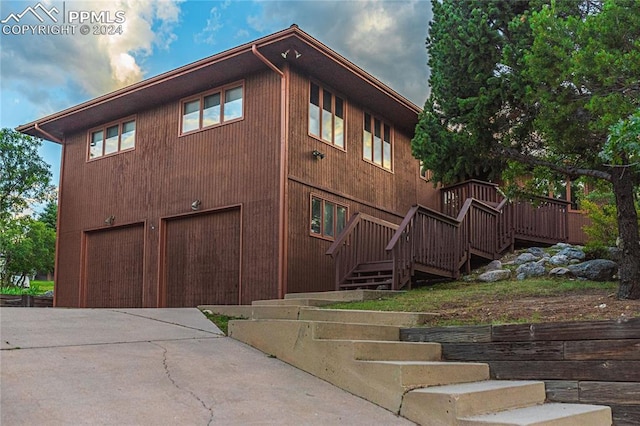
(588, 305)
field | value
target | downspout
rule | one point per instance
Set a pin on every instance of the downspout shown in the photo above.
(48, 135)
(282, 178)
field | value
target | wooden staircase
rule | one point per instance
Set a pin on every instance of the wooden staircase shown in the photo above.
(474, 221)
(361, 352)
(370, 275)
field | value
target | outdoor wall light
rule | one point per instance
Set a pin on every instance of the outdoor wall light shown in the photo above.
(317, 154)
(109, 220)
(196, 205)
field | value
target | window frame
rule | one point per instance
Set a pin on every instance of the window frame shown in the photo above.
(428, 173)
(334, 95)
(222, 91)
(103, 128)
(383, 124)
(323, 200)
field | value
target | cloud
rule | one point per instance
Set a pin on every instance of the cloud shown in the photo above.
(214, 23)
(384, 37)
(54, 72)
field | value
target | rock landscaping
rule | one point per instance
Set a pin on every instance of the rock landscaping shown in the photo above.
(560, 260)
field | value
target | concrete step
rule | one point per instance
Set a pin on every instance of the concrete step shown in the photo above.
(400, 319)
(415, 374)
(348, 331)
(407, 378)
(254, 312)
(446, 404)
(309, 313)
(333, 358)
(344, 296)
(369, 350)
(545, 415)
(294, 302)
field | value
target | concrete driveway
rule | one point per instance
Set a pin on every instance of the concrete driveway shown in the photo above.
(155, 367)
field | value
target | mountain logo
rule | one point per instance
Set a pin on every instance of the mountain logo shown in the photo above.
(38, 11)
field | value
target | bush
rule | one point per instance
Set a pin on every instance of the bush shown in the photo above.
(603, 231)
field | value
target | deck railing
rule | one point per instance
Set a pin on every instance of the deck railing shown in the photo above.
(540, 219)
(453, 197)
(363, 240)
(440, 243)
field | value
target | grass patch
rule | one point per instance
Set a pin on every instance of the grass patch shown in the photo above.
(221, 321)
(432, 298)
(531, 300)
(36, 288)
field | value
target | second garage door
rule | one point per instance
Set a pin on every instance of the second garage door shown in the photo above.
(202, 259)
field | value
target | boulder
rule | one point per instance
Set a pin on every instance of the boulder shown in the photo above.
(494, 265)
(595, 270)
(495, 275)
(536, 251)
(525, 258)
(559, 272)
(572, 253)
(530, 269)
(558, 259)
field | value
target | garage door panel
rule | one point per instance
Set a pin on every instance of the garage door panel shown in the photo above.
(114, 267)
(202, 259)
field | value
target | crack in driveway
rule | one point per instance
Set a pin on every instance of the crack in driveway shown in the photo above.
(165, 364)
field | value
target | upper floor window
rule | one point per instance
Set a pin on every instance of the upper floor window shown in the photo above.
(212, 108)
(112, 138)
(326, 116)
(328, 219)
(376, 141)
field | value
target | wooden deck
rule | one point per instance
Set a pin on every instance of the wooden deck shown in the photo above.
(474, 221)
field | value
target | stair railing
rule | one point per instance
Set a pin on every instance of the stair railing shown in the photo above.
(428, 238)
(436, 243)
(479, 228)
(363, 239)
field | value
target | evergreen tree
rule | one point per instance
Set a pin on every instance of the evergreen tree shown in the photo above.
(553, 88)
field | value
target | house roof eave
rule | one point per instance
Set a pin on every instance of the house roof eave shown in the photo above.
(317, 60)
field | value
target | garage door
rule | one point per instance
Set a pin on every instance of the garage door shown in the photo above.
(114, 265)
(202, 259)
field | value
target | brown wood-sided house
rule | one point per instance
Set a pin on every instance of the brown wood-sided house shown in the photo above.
(226, 180)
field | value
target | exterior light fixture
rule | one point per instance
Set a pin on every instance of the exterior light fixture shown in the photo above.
(109, 220)
(317, 154)
(196, 205)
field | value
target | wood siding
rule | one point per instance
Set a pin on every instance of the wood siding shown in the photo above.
(234, 164)
(344, 177)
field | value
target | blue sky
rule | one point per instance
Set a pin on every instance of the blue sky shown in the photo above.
(44, 73)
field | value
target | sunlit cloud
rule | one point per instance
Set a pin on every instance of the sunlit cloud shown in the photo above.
(83, 66)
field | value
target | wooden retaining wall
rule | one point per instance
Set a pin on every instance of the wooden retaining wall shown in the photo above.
(581, 362)
(26, 301)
